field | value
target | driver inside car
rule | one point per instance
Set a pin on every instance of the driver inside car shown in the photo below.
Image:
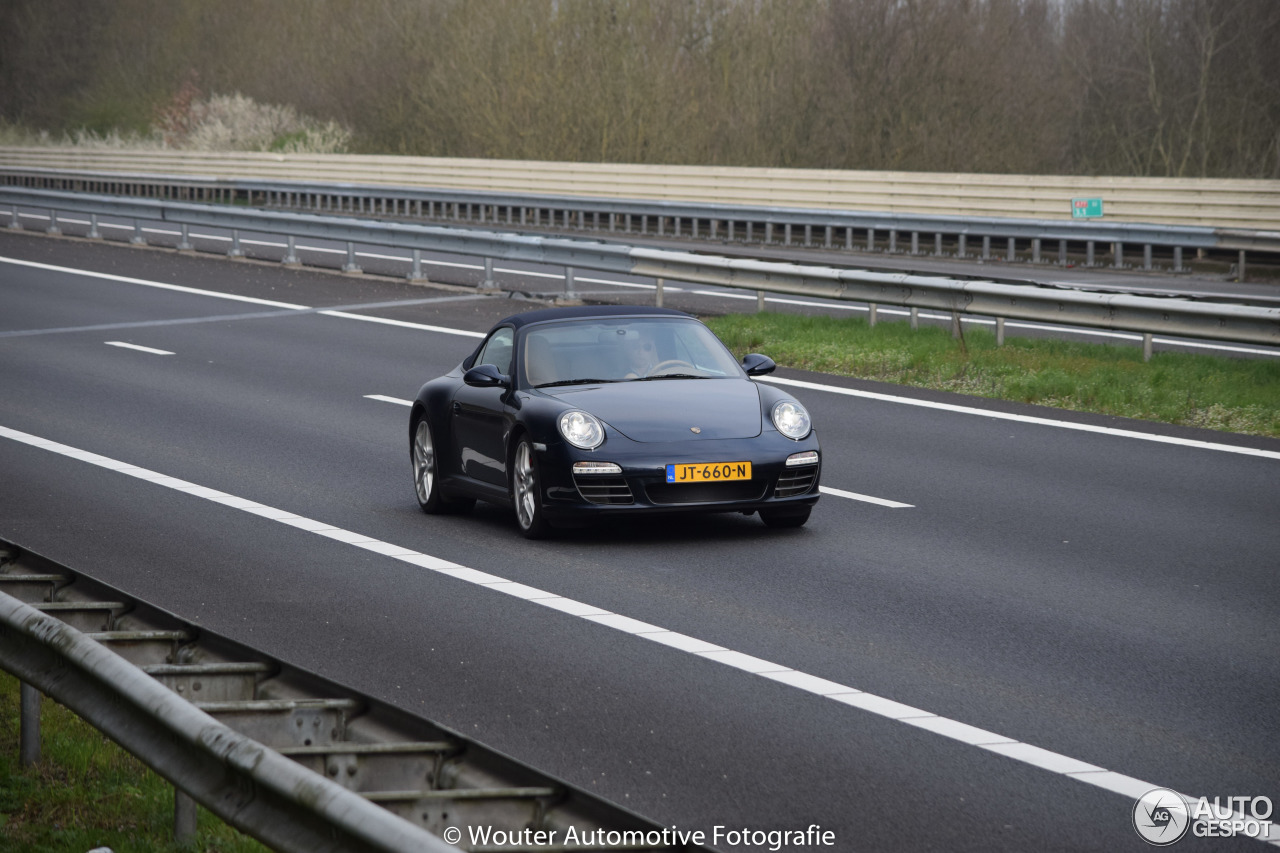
(641, 355)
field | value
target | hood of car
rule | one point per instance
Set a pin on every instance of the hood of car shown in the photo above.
(671, 409)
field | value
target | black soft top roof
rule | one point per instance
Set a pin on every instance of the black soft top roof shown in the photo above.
(579, 312)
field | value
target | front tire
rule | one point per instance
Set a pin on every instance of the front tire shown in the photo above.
(426, 480)
(526, 493)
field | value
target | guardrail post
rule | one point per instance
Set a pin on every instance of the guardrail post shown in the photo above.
(28, 725)
(956, 332)
(1088, 254)
(14, 222)
(1148, 344)
(1177, 259)
(1146, 256)
(488, 283)
(94, 233)
(657, 301)
(236, 251)
(915, 242)
(848, 238)
(786, 235)
(986, 248)
(751, 232)
(999, 331)
(569, 292)
(808, 235)
(291, 254)
(1240, 269)
(915, 317)
(184, 245)
(962, 251)
(53, 228)
(138, 239)
(768, 232)
(415, 270)
(871, 239)
(1035, 250)
(826, 241)
(1062, 253)
(1118, 260)
(937, 245)
(1013, 250)
(759, 301)
(351, 267)
(871, 315)
(184, 817)
(893, 241)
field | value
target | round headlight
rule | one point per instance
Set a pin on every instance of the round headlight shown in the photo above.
(791, 419)
(582, 430)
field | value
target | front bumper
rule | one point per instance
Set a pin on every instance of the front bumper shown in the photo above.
(641, 488)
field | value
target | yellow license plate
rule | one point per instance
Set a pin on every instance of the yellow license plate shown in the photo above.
(707, 472)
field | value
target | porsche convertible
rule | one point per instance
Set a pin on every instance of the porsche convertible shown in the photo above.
(574, 414)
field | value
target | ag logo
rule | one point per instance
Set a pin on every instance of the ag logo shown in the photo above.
(1161, 817)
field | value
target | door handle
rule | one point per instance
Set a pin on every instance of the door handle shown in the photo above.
(457, 407)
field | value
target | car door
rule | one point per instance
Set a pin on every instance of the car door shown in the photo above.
(480, 415)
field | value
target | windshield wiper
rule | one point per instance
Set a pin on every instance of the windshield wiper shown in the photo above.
(573, 382)
(670, 376)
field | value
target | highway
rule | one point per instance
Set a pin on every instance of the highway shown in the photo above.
(1000, 627)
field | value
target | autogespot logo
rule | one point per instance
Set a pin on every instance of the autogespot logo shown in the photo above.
(1161, 817)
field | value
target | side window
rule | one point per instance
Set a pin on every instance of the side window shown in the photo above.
(497, 351)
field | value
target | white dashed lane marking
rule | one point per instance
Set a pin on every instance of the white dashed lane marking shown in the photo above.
(137, 347)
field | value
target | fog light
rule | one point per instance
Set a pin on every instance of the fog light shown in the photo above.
(597, 468)
(808, 457)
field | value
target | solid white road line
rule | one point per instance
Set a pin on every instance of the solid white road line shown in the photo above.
(137, 347)
(839, 493)
(156, 284)
(1026, 419)
(1028, 754)
(404, 324)
(854, 496)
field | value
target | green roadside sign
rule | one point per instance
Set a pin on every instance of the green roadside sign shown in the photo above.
(1086, 208)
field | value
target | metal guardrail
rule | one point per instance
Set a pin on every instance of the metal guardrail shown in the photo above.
(298, 762)
(1064, 241)
(1143, 314)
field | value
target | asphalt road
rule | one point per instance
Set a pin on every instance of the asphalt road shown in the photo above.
(1087, 597)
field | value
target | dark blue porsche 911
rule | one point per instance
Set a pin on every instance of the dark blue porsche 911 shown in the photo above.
(570, 414)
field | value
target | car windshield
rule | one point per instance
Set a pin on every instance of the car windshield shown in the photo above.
(607, 350)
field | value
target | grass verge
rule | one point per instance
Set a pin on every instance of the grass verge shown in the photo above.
(1229, 394)
(86, 792)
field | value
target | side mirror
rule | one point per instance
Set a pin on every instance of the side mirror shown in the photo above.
(756, 364)
(485, 376)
